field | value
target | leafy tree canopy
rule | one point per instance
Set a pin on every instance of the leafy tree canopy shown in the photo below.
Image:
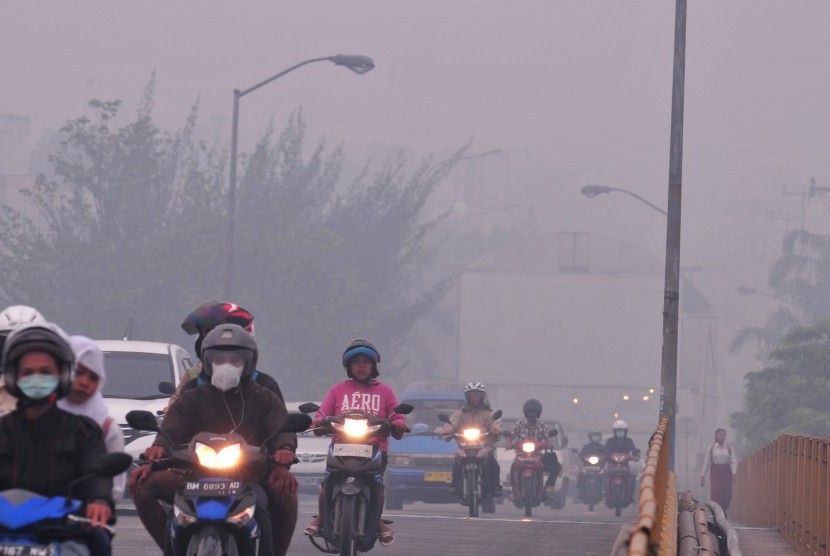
(790, 395)
(131, 222)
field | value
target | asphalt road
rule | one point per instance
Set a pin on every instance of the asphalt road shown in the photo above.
(444, 530)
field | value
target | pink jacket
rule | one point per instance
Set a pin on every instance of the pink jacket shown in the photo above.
(376, 399)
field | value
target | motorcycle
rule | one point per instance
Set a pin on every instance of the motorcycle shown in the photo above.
(214, 510)
(35, 525)
(618, 487)
(527, 477)
(353, 486)
(471, 455)
(591, 479)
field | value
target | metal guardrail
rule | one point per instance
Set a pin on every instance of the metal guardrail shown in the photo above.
(656, 528)
(786, 486)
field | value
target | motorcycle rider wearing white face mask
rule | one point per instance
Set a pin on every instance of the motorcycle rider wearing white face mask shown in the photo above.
(229, 401)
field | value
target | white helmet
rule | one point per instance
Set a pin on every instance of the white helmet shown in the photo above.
(474, 387)
(620, 425)
(15, 316)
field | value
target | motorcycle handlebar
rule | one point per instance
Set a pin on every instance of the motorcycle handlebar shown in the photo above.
(79, 519)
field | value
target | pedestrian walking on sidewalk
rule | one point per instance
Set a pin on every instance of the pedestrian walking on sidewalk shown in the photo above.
(722, 466)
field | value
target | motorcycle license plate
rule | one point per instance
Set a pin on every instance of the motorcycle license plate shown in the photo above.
(26, 550)
(209, 488)
(438, 476)
(353, 450)
(309, 481)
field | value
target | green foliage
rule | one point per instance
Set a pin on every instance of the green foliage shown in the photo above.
(789, 396)
(132, 223)
(324, 267)
(105, 244)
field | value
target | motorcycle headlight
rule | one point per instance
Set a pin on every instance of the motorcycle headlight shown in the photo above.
(183, 518)
(593, 460)
(242, 518)
(356, 428)
(471, 435)
(528, 447)
(224, 458)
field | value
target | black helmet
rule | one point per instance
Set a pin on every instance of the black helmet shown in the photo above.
(361, 347)
(532, 405)
(45, 337)
(594, 434)
(230, 337)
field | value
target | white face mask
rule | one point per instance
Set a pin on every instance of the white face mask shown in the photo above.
(226, 376)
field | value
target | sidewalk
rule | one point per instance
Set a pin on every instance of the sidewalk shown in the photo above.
(755, 541)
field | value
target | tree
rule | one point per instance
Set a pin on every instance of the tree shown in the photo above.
(790, 395)
(133, 225)
(107, 244)
(324, 266)
(801, 279)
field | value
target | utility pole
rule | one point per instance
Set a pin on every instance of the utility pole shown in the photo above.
(671, 298)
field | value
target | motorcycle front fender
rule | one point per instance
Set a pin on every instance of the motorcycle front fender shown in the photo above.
(215, 540)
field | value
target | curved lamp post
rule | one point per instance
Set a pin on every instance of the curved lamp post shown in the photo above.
(744, 290)
(356, 63)
(592, 191)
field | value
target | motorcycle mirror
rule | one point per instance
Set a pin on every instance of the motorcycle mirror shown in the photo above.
(167, 388)
(497, 415)
(443, 418)
(142, 420)
(309, 407)
(112, 464)
(553, 432)
(296, 422)
(404, 409)
(109, 465)
(574, 450)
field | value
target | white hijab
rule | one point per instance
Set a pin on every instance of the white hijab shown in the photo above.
(88, 354)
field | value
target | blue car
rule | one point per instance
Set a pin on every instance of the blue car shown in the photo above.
(420, 464)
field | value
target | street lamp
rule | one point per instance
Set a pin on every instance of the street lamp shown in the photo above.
(356, 63)
(744, 290)
(592, 191)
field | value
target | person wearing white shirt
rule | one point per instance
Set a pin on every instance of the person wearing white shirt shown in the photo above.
(722, 466)
(85, 398)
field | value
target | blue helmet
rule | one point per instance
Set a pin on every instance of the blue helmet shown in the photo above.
(361, 347)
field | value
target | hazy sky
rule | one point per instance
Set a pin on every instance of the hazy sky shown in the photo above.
(584, 86)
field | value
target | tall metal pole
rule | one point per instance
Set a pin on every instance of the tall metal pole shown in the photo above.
(671, 301)
(356, 63)
(232, 197)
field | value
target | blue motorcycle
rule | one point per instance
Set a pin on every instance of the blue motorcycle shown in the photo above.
(214, 509)
(35, 525)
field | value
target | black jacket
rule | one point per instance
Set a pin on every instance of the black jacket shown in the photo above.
(592, 448)
(207, 409)
(616, 445)
(45, 454)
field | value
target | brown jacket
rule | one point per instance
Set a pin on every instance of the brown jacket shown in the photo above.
(475, 416)
(207, 409)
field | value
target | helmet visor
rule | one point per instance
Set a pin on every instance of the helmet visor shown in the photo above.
(241, 358)
(361, 350)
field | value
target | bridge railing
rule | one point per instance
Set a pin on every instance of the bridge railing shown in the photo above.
(785, 486)
(656, 528)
